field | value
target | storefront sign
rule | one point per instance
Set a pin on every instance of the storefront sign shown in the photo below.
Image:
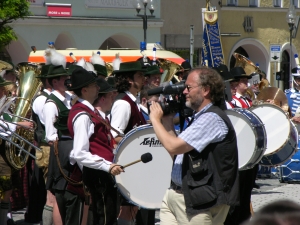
(59, 11)
(123, 4)
(36, 2)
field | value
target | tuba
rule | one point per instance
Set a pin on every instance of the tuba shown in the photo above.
(250, 68)
(246, 64)
(171, 68)
(28, 88)
(109, 69)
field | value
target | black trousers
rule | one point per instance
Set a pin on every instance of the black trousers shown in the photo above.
(239, 214)
(105, 196)
(70, 207)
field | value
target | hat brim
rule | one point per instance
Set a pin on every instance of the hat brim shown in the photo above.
(57, 75)
(5, 83)
(128, 70)
(83, 85)
(107, 90)
(243, 76)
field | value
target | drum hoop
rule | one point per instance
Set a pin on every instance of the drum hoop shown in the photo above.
(132, 131)
(240, 112)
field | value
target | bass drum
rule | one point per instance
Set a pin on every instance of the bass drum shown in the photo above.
(251, 136)
(282, 135)
(143, 184)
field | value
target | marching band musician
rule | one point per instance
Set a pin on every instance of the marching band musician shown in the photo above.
(153, 75)
(241, 213)
(37, 191)
(293, 95)
(93, 149)
(57, 102)
(5, 172)
(125, 115)
(182, 74)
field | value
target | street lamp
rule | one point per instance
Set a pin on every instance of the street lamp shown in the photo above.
(151, 6)
(290, 19)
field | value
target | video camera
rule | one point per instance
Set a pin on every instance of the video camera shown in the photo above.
(175, 103)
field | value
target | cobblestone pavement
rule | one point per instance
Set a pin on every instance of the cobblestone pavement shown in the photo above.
(270, 190)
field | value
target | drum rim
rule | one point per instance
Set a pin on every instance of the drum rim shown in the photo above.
(239, 111)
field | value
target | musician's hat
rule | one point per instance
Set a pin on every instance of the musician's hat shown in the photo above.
(151, 70)
(56, 71)
(4, 82)
(130, 67)
(296, 71)
(81, 78)
(239, 72)
(44, 71)
(105, 87)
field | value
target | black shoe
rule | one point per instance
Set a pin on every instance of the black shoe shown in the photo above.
(11, 222)
(256, 186)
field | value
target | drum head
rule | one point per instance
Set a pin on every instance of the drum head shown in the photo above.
(143, 184)
(277, 126)
(246, 138)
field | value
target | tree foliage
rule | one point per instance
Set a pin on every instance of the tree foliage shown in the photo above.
(11, 10)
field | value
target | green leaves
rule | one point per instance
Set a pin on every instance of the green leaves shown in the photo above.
(11, 10)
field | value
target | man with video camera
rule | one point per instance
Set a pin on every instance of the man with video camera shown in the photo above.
(205, 171)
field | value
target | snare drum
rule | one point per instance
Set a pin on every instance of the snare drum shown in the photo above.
(251, 136)
(282, 134)
(143, 184)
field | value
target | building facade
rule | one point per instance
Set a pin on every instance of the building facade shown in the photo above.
(82, 24)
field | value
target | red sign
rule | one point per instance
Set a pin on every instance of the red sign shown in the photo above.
(59, 11)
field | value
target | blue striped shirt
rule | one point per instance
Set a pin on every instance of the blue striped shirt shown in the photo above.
(207, 128)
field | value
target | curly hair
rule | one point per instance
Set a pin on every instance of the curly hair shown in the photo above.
(210, 78)
(122, 83)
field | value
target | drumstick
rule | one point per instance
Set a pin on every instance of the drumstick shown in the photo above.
(147, 157)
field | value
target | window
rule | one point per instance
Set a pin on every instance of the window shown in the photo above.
(296, 3)
(277, 3)
(253, 3)
(248, 24)
(232, 2)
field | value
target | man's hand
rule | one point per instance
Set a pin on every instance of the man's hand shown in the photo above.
(25, 124)
(115, 169)
(156, 112)
(296, 119)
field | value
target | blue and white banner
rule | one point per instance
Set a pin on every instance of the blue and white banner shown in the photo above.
(212, 52)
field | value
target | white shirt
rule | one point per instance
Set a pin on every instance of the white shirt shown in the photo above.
(3, 131)
(237, 103)
(120, 114)
(38, 105)
(50, 113)
(83, 129)
(143, 108)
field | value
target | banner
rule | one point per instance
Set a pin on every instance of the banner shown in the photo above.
(212, 52)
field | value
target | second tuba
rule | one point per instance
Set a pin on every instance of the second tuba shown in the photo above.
(171, 68)
(28, 88)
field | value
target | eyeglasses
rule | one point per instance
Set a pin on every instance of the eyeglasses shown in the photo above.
(188, 87)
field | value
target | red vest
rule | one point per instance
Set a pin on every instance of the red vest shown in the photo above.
(100, 141)
(243, 103)
(136, 118)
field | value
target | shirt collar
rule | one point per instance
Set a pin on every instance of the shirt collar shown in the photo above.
(47, 91)
(102, 113)
(203, 110)
(58, 95)
(133, 98)
(238, 95)
(85, 102)
(143, 108)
